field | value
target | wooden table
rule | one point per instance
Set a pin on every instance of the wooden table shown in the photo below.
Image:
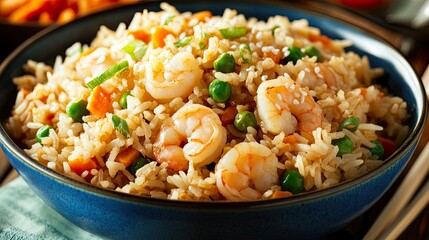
(419, 229)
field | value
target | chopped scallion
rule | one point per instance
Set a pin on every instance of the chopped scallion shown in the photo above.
(273, 31)
(168, 20)
(203, 42)
(136, 49)
(245, 53)
(109, 73)
(183, 42)
(233, 32)
(121, 126)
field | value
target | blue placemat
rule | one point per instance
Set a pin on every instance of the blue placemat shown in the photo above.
(23, 215)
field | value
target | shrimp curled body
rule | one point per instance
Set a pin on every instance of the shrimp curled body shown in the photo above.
(286, 107)
(168, 78)
(246, 171)
(194, 134)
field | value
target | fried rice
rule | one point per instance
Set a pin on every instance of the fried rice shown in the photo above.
(193, 148)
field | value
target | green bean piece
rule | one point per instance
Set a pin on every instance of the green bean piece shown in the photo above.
(121, 126)
(351, 123)
(292, 181)
(76, 110)
(294, 55)
(233, 32)
(138, 163)
(243, 120)
(311, 51)
(225, 63)
(220, 91)
(42, 132)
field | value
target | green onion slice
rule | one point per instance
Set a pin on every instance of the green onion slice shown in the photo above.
(245, 53)
(273, 31)
(136, 49)
(183, 42)
(168, 20)
(203, 41)
(109, 73)
(233, 32)
(121, 126)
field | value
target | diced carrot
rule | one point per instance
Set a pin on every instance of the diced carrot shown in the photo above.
(291, 139)
(45, 18)
(363, 91)
(29, 11)
(319, 38)
(141, 35)
(25, 92)
(201, 16)
(388, 145)
(280, 194)
(228, 115)
(127, 156)
(158, 36)
(79, 165)
(99, 102)
(8, 6)
(66, 15)
(276, 57)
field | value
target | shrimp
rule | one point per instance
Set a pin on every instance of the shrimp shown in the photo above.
(200, 130)
(167, 78)
(95, 63)
(246, 171)
(317, 74)
(284, 106)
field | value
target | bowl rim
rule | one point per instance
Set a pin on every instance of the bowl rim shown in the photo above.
(314, 195)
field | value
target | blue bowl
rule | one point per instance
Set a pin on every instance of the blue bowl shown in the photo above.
(116, 215)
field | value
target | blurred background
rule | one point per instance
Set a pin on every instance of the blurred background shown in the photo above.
(404, 23)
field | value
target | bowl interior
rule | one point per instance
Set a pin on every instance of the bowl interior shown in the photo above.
(399, 78)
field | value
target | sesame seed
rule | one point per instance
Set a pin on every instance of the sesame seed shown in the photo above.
(279, 96)
(292, 87)
(295, 102)
(259, 36)
(277, 106)
(296, 95)
(307, 69)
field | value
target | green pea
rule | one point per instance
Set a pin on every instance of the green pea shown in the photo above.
(351, 123)
(378, 150)
(243, 120)
(138, 163)
(76, 110)
(225, 63)
(294, 55)
(42, 132)
(220, 91)
(123, 100)
(311, 51)
(345, 145)
(292, 181)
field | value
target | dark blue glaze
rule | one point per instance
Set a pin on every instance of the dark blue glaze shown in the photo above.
(307, 216)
